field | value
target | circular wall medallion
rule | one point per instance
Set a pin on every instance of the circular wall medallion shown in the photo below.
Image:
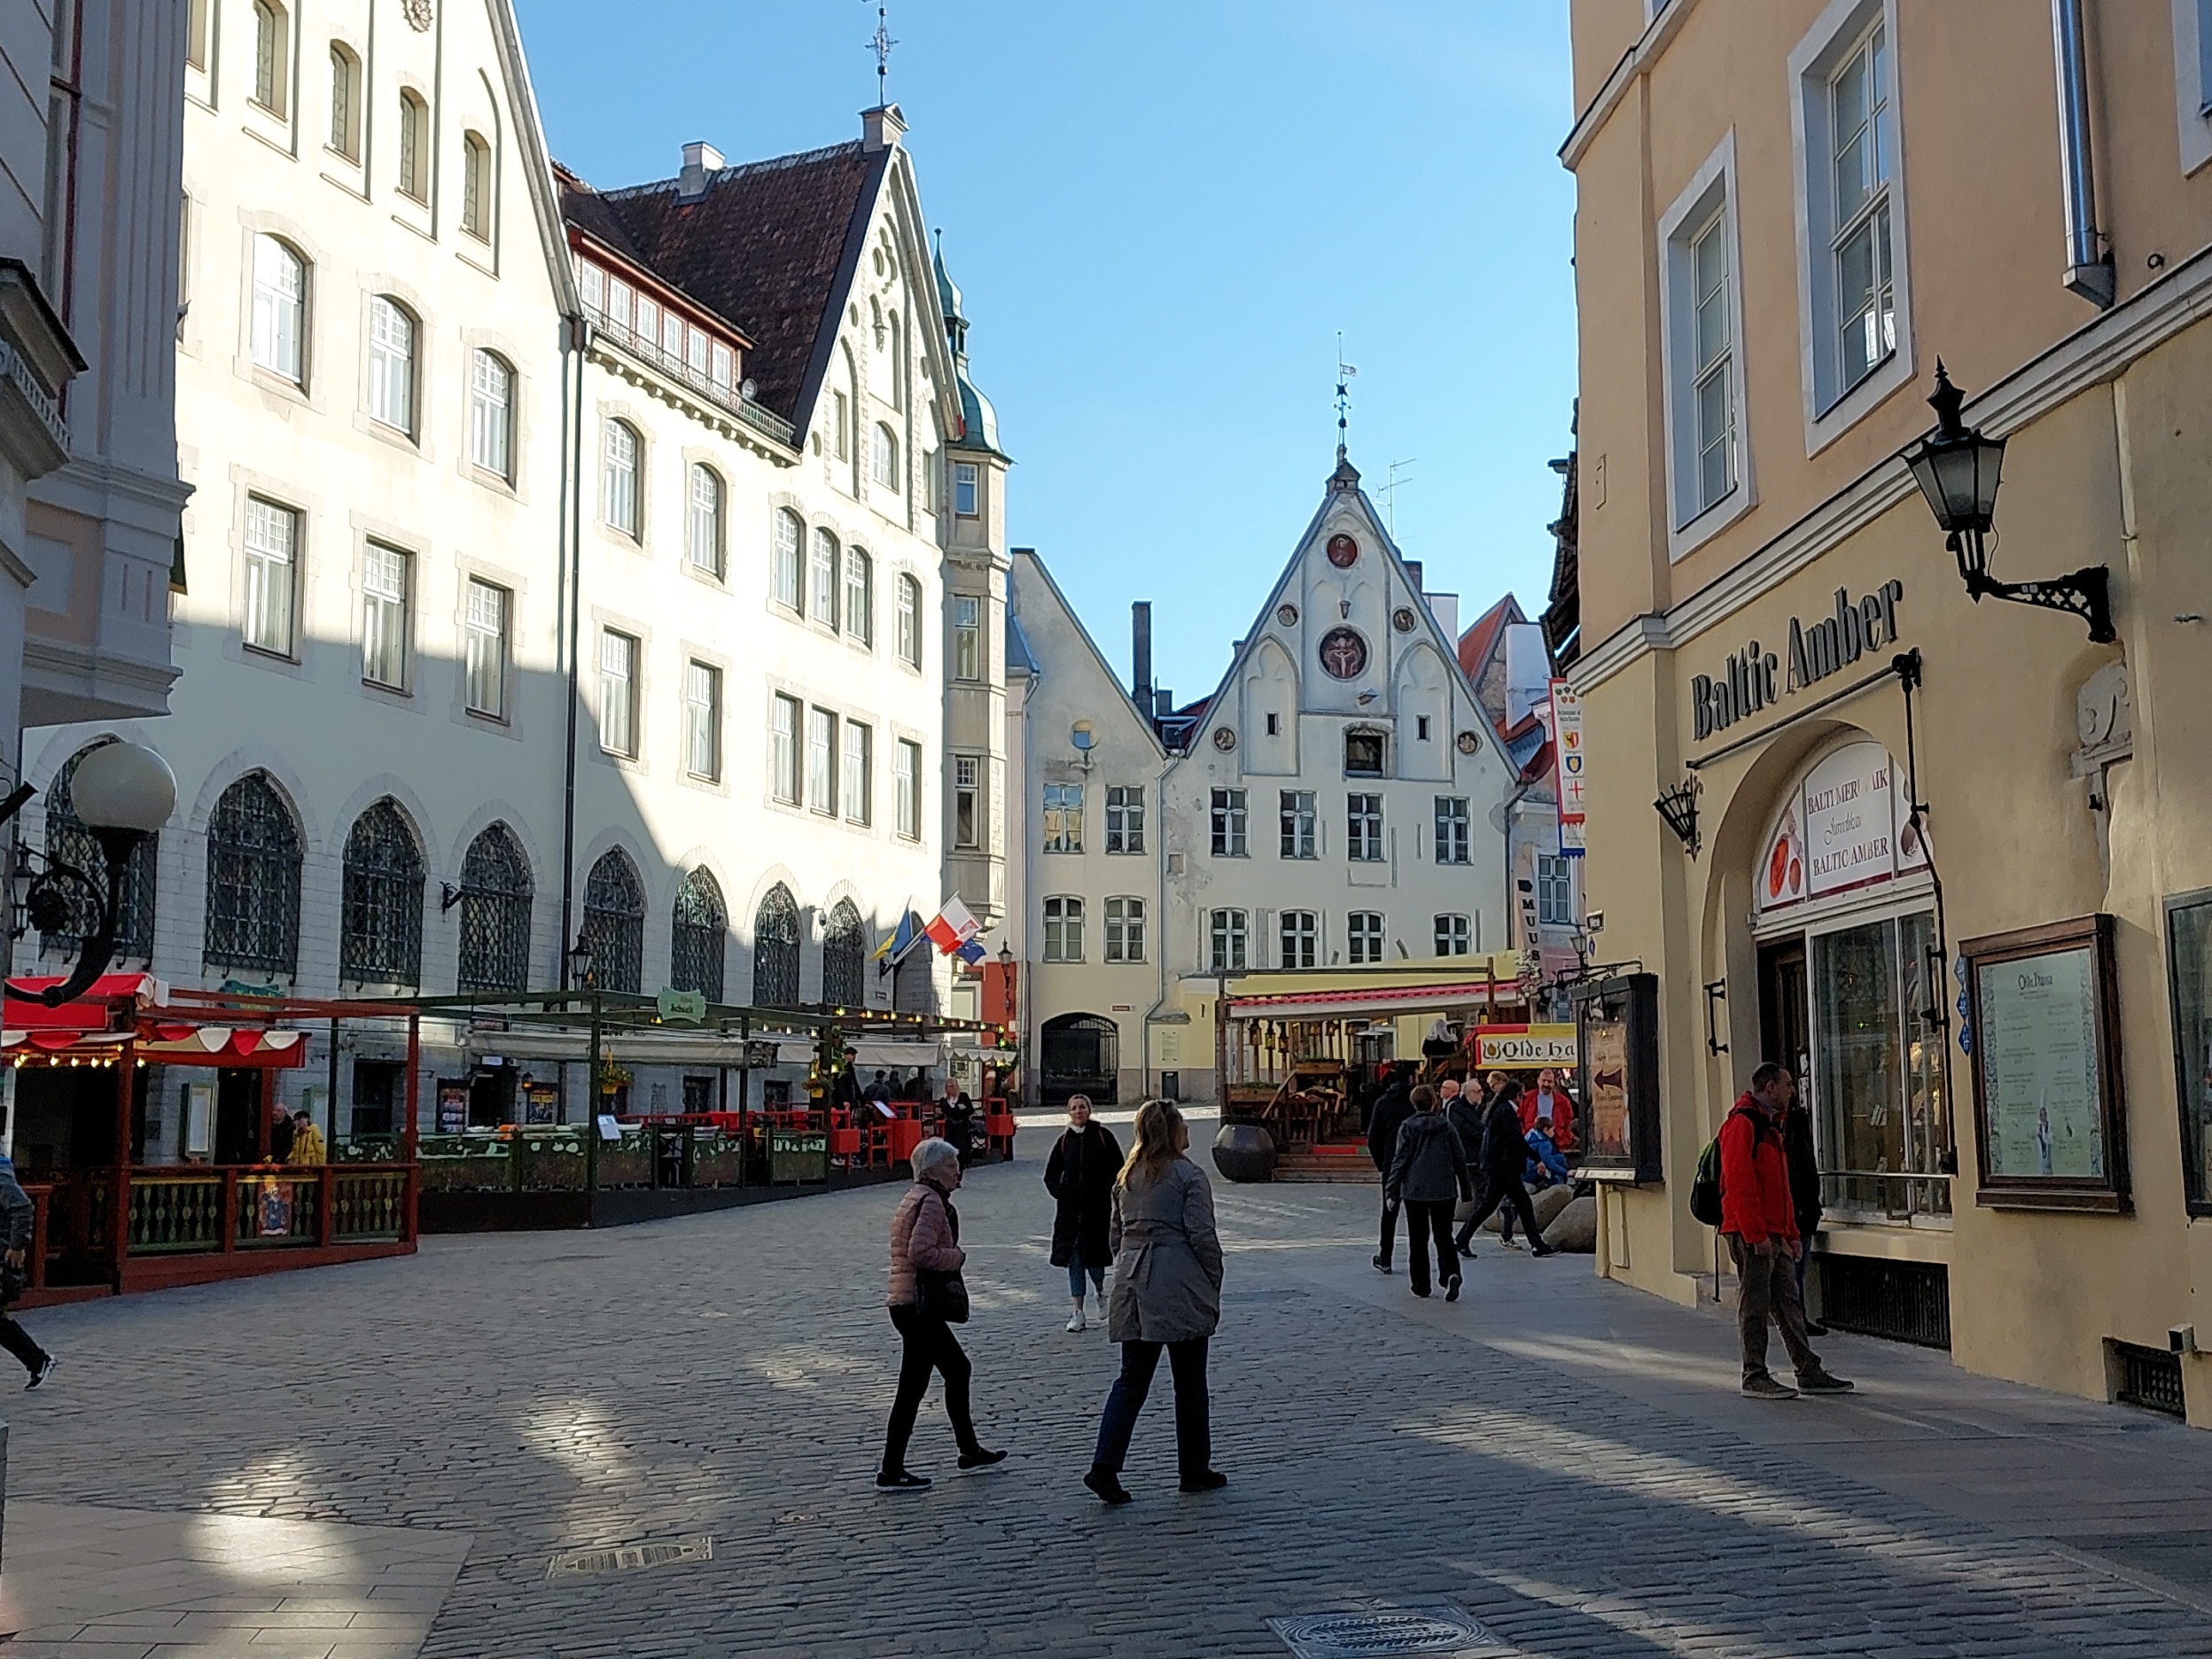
(1343, 653)
(1467, 741)
(1287, 615)
(1402, 619)
(1342, 551)
(417, 11)
(1224, 739)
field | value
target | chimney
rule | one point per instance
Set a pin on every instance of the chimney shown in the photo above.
(1445, 608)
(699, 161)
(1413, 573)
(1163, 703)
(881, 128)
(1140, 651)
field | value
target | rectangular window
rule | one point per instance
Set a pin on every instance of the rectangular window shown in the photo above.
(825, 578)
(1713, 399)
(1300, 830)
(486, 648)
(344, 90)
(967, 638)
(910, 621)
(672, 336)
(1300, 939)
(391, 365)
(1858, 111)
(822, 760)
(790, 574)
(1555, 891)
(272, 550)
(492, 414)
(841, 407)
(1363, 828)
(414, 140)
(907, 775)
(783, 749)
(1225, 942)
(703, 538)
(964, 797)
(1229, 824)
(591, 282)
(1452, 830)
(618, 693)
(1125, 929)
(721, 365)
(619, 461)
(2189, 967)
(703, 720)
(859, 757)
(1882, 1123)
(1363, 937)
(860, 596)
(384, 620)
(648, 321)
(964, 489)
(280, 308)
(1124, 818)
(1063, 817)
(1451, 936)
(619, 299)
(1063, 930)
(1363, 755)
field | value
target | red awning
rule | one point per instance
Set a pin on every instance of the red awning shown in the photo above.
(89, 1012)
(86, 1029)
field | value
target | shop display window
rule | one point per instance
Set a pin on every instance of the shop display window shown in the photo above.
(2189, 979)
(1884, 1125)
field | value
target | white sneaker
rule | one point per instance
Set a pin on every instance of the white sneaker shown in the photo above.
(1076, 1321)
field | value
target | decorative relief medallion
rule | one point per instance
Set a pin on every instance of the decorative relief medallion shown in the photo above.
(1343, 551)
(1224, 739)
(1467, 741)
(1402, 619)
(1287, 615)
(1343, 653)
(416, 13)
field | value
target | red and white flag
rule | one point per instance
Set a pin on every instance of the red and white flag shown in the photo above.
(953, 928)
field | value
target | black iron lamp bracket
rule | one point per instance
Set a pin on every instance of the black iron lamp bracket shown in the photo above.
(43, 905)
(1678, 807)
(2086, 593)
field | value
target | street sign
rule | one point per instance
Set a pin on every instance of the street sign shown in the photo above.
(681, 1007)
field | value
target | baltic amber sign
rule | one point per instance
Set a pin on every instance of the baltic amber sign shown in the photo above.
(1755, 677)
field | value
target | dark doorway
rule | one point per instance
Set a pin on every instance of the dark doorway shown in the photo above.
(491, 1097)
(1785, 1012)
(1082, 1055)
(241, 1122)
(377, 1092)
(65, 1118)
(699, 1095)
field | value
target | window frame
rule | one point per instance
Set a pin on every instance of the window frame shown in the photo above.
(787, 778)
(1301, 825)
(1366, 938)
(612, 468)
(624, 684)
(2193, 81)
(472, 670)
(859, 596)
(1124, 819)
(909, 622)
(385, 615)
(967, 641)
(1364, 736)
(1365, 840)
(272, 59)
(1555, 880)
(1228, 941)
(789, 556)
(883, 460)
(906, 774)
(1450, 935)
(717, 521)
(271, 302)
(1298, 938)
(1229, 823)
(966, 487)
(344, 135)
(825, 577)
(703, 720)
(1453, 830)
(821, 782)
(268, 557)
(1064, 921)
(967, 802)
(396, 366)
(856, 764)
(1124, 923)
(477, 194)
(1708, 202)
(495, 416)
(1063, 817)
(411, 173)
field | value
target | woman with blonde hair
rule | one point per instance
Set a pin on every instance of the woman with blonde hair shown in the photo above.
(1167, 1294)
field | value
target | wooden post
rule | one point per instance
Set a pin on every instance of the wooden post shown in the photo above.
(126, 1074)
(408, 1135)
(230, 1242)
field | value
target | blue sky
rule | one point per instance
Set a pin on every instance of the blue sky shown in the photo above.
(1161, 214)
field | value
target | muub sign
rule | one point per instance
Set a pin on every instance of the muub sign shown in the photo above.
(1747, 680)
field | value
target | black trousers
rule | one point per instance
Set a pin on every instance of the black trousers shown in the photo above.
(18, 1341)
(929, 1346)
(1503, 1189)
(1193, 1413)
(1390, 1230)
(1427, 1223)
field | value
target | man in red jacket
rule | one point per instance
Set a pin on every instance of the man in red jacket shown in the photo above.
(1759, 1221)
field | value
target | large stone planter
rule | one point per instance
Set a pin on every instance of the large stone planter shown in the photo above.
(1575, 1227)
(1244, 1152)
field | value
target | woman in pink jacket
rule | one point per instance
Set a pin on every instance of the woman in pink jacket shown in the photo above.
(925, 1238)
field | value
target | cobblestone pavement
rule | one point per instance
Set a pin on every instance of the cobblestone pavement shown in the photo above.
(1566, 1459)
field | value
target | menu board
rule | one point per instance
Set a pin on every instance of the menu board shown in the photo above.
(1605, 1104)
(2041, 1072)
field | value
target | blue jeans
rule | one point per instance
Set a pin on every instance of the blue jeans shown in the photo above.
(1194, 1417)
(1078, 1267)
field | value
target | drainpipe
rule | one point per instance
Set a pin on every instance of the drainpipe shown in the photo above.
(2088, 271)
(578, 335)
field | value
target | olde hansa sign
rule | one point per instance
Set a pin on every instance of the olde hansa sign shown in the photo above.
(1755, 677)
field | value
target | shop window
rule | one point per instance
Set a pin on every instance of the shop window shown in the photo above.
(1878, 1083)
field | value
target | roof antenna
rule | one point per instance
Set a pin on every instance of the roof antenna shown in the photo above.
(1390, 491)
(1345, 373)
(881, 42)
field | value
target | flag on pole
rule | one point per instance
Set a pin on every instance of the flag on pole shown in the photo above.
(902, 940)
(953, 928)
(971, 952)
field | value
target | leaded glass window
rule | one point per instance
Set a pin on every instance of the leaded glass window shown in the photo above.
(496, 892)
(775, 950)
(844, 958)
(381, 940)
(254, 880)
(614, 922)
(694, 951)
(69, 842)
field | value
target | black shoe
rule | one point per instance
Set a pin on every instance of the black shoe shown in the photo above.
(1814, 1327)
(1452, 1290)
(1420, 1291)
(44, 1369)
(1382, 1264)
(1108, 1486)
(1466, 1249)
(1543, 1249)
(1211, 1480)
(901, 1480)
(980, 1459)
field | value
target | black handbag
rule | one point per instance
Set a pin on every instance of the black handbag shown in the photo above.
(942, 1295)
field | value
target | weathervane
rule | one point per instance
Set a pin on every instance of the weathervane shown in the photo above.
(1345, 374)
(881, 42)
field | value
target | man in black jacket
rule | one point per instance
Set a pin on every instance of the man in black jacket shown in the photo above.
(1804, 1196)
(16, 1213)
(1429, 1175)
(1392, 1107)
(1505, 1158)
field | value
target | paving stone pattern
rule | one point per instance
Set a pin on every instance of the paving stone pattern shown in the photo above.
(1566, 1459)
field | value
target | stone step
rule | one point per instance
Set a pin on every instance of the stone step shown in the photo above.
(1345, 1164)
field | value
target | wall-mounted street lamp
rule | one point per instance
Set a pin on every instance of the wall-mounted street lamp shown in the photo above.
(1678, 806)
(579, 965)
(1958, 469)
(122, 792)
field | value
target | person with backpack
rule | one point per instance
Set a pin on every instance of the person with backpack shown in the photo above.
(1758, 1218)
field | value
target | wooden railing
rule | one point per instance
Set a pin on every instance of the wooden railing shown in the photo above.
(198, 1210)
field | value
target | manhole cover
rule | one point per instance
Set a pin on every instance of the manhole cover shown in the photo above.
(1421, 1630)
(631, 1558)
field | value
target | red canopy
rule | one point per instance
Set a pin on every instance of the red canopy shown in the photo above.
(120, 1006)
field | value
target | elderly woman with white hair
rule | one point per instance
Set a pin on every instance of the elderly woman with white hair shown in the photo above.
(926, 1298)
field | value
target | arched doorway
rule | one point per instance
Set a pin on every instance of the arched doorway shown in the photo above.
(1081, 1055)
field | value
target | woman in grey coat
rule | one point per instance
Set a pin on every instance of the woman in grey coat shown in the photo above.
(1167, 1293)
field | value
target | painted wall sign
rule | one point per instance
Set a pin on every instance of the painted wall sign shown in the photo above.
(1523, 1046)
(1844, 826)
(1755, 677)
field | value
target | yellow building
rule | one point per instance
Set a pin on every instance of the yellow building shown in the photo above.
(1949, 860)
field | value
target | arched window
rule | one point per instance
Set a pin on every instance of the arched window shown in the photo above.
(280, 309)
(910, 621)
(392, 364)
(844, 958)
(695, 953)
(272, 46)
(345, 101)
(495, 889)
(886, 457)
(492, 413)
(775, 950)
(380, 940)
(860, 596)
(476, 186)
(69, 842)
(824, 598)
(614, 922)
(254, 880)
(618, 474)
(791, 562)
(414, 146)
(704, 542)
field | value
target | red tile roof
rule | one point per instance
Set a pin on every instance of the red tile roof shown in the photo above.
(1480, 637)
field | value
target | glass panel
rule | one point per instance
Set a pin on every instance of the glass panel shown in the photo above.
(1927, 1108)
(270, 534)
(1716, 432)
(1878, 1068)
(1709, 257)
(384, 616)
(2190, 953)
(486, 647)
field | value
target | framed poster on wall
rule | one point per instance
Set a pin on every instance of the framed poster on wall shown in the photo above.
(1617, 1039)
(2050, 1116)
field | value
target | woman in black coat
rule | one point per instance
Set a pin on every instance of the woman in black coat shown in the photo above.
(1080, 1175)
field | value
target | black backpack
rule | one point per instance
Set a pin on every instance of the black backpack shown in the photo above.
(1705, 1185)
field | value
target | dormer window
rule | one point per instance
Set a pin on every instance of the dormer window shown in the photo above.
(1363, 755)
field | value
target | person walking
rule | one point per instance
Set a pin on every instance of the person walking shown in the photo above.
(1392, 1108)
(1430, 1175)
(1167, 1294)
(1758, 1218)
(1804, 1196)
(1080, 1175)
(17, 1211)
(958, 1113)
(307, 1142)
(1505, 1155)
(925, 1241)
